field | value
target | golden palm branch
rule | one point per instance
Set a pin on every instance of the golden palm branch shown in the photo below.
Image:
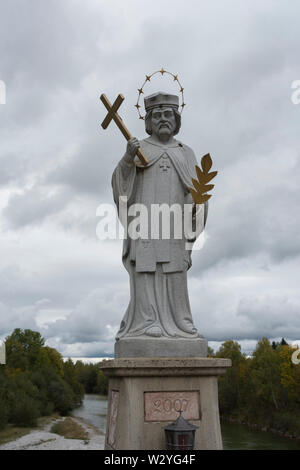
(204, 176)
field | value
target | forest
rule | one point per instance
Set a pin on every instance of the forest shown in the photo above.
(36, 381)
(262, 390)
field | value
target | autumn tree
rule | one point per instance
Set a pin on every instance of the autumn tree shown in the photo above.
(265, 374)
(23, 348)
(232, 384)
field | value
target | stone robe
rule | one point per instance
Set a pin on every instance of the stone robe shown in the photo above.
(159, 303)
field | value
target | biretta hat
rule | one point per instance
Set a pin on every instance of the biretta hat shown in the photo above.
(160, 99)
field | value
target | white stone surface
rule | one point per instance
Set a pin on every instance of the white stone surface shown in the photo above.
(157, 264)
(160, 347)
(174, 378)
(45, 440)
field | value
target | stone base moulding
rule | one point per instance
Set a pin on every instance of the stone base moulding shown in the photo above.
(145, 395)
(143, 346)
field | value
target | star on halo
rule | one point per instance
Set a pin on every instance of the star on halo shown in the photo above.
(148, 78)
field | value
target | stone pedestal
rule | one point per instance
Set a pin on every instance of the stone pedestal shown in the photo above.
(145, 395)
(144, 346)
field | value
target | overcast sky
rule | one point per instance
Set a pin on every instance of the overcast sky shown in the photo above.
(237, 61)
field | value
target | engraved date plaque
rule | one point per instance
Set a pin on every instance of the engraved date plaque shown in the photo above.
(164, 406)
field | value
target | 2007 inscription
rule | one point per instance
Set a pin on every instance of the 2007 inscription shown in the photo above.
(164, 406)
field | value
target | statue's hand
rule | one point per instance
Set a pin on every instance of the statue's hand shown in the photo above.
(132, 147)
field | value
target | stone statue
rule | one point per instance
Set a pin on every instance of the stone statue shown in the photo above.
(160, 364)
(159, 309)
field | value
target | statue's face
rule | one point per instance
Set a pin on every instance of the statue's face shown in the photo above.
(163, 122)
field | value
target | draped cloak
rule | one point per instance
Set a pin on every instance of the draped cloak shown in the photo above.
(159, 303)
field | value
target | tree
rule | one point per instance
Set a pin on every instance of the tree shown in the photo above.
(88, 377)
(52, 358)
(35, 381)
(62, 396)
(289, 376)
(102, 383)
(71, 377)
(232, 384)
(3, 400)
(23, 348)
(265, 372)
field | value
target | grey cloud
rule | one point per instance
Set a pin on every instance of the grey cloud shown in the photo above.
(94, 319)
(43, 51)
(33, 206)
(255, 219)
(12, 168)
(236, 63)
(87, 172)
(253, 318)
(12, 318)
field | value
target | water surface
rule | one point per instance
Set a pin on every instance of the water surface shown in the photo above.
(235, 436)
(241, 437)
(93, 411)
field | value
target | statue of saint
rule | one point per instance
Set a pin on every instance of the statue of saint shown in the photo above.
(159, 303)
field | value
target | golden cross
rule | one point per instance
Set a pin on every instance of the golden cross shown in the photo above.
(113, 115)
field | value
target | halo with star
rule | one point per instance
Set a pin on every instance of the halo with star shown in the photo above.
(162, 71)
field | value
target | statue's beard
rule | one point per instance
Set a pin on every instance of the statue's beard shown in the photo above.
(164, 129)
(165, 124)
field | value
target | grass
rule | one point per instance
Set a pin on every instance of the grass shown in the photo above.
(11, 432)
(69, 429)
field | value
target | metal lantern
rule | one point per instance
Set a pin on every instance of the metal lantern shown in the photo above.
(180, 435)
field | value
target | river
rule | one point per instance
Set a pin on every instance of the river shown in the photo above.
(235, 436)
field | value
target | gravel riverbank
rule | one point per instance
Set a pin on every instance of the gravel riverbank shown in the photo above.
(44, 439)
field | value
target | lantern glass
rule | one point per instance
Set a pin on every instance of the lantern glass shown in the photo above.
(180, 435)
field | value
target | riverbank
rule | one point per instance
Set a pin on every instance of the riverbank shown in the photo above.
(89, 422)
(286, 430)
(45, 439)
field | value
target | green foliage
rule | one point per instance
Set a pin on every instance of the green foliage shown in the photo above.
(35, 381)
(3, 401)
(87, 375)
(210, 352)
(71, 376)
(62, 396)
(286, 421)
(24, 412)
(92, 378)
(102, 383)
(264, 388)
(23, 349)
(232, 384)
(265, 373)
(3, 414)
